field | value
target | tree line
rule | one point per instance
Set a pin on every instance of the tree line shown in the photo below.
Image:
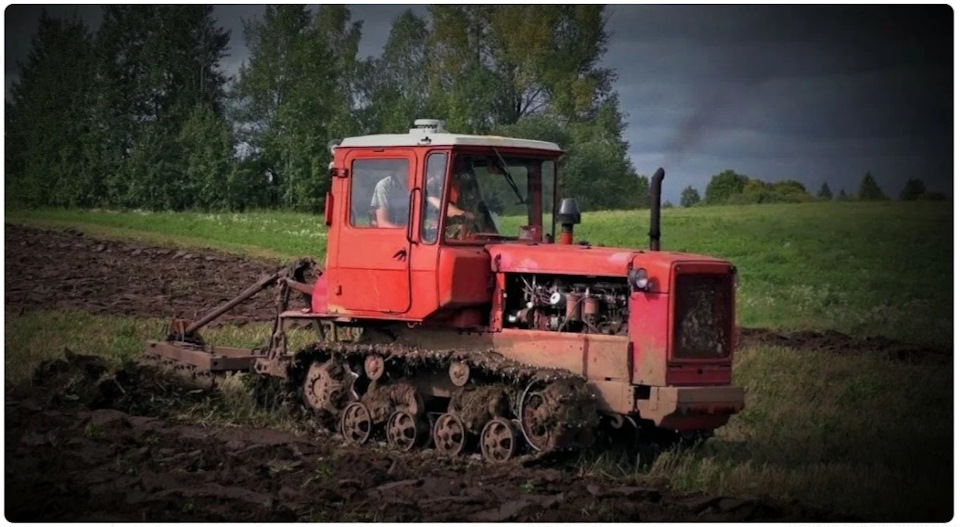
(139, 114)
(731, 188)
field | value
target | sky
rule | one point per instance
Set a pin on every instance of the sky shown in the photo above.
(812, 93)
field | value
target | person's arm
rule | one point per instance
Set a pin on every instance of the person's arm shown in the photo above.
(382, 218)
(453, 210)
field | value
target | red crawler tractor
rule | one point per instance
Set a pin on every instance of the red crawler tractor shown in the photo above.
(473, 334)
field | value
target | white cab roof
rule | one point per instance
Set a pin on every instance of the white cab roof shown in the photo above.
(429, 132)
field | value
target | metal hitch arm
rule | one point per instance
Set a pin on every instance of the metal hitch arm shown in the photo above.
(295, 270)
(263, 283)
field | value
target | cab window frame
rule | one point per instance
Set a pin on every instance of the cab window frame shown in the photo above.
(424, 208)
(354, 218)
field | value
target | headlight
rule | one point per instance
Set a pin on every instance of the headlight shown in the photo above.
(638, 279)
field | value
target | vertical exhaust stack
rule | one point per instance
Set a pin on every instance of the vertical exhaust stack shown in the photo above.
(568, 216)
(655, 183)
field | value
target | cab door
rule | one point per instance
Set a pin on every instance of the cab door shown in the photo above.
(373, 272)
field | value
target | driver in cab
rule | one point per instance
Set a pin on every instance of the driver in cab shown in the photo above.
(391, 200)
(435, 175)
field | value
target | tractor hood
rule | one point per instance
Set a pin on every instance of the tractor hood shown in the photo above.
(585, 260)
(560, 259)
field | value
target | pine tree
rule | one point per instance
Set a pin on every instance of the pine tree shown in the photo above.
(869, 190)
(49, 117)
(825, 192)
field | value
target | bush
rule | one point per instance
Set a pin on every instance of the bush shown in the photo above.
(723, 186)
(689, 197)
(913, 190)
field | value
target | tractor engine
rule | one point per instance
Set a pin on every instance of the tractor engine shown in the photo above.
(573, 304)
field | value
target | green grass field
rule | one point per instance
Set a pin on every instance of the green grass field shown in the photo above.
(861, 268)
(857, 434)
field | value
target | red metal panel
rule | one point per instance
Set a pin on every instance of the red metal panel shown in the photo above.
(691, 408)
(464, 277)
(599, 357)
(649, 331)
(499, 292)
(560, 259)
(373, 273)
(318, 300)
(699, 374)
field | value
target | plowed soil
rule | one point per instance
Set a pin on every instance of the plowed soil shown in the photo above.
(100, 461)
(67, 270)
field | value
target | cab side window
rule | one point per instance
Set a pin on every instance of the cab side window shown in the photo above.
(433, 197)
(379, 193)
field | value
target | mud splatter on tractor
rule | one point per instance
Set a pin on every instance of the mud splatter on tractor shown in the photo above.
(436, 327)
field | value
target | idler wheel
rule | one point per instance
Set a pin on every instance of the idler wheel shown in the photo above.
(498, 440)
(404, 431)
(355, 423)
(373, 366)
(449, 435)
(328, 387)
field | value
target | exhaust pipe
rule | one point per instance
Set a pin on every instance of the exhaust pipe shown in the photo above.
(655, 184)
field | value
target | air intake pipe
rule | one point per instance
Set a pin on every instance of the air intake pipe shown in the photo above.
(655, 183)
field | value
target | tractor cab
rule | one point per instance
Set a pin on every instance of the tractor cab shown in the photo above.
(409, 216)
(464, 185)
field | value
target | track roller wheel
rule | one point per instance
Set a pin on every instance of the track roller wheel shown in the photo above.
(404, 431)
(459, 373)
(374, 367)
(498, 440)
(355, 423)
(449, 435)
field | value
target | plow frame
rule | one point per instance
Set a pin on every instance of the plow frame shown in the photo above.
(184, 348)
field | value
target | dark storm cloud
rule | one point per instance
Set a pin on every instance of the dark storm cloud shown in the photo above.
(814, 93)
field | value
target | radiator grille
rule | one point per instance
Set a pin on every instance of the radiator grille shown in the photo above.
(702, 322)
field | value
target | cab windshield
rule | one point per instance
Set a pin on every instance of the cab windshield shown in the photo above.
(494, 196)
